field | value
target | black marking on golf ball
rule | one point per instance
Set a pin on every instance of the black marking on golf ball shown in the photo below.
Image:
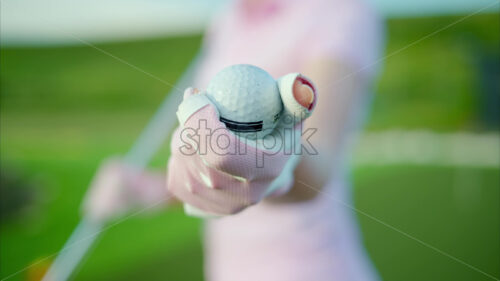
(242, 126)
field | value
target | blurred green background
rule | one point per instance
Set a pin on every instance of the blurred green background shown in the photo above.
(64, 109)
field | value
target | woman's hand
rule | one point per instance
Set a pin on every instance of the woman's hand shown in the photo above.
(119, 188)
(217, 173)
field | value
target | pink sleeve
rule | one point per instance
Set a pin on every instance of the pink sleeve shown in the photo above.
(350, 32)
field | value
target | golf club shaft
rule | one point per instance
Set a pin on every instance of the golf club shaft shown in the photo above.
(144, 148)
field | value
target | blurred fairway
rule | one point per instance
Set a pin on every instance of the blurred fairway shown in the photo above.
(65, 109)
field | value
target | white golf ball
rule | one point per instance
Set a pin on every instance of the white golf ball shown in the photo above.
(247, 98)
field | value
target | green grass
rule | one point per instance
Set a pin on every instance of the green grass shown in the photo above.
(65, 109)
(436, 83)
(428, 203)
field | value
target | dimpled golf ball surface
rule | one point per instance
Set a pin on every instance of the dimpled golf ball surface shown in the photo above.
(246, 95)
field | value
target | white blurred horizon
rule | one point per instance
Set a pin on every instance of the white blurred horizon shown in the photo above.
(67, 22)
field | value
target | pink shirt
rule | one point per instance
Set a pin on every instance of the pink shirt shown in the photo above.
(273, 38)
(316, 240)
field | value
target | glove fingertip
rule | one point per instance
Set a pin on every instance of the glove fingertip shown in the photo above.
(190, 105)
(189, 92)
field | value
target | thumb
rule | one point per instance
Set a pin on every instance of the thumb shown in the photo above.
(298, 95)
(303, 93)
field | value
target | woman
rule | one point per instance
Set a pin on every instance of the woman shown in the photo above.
(309, 232)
